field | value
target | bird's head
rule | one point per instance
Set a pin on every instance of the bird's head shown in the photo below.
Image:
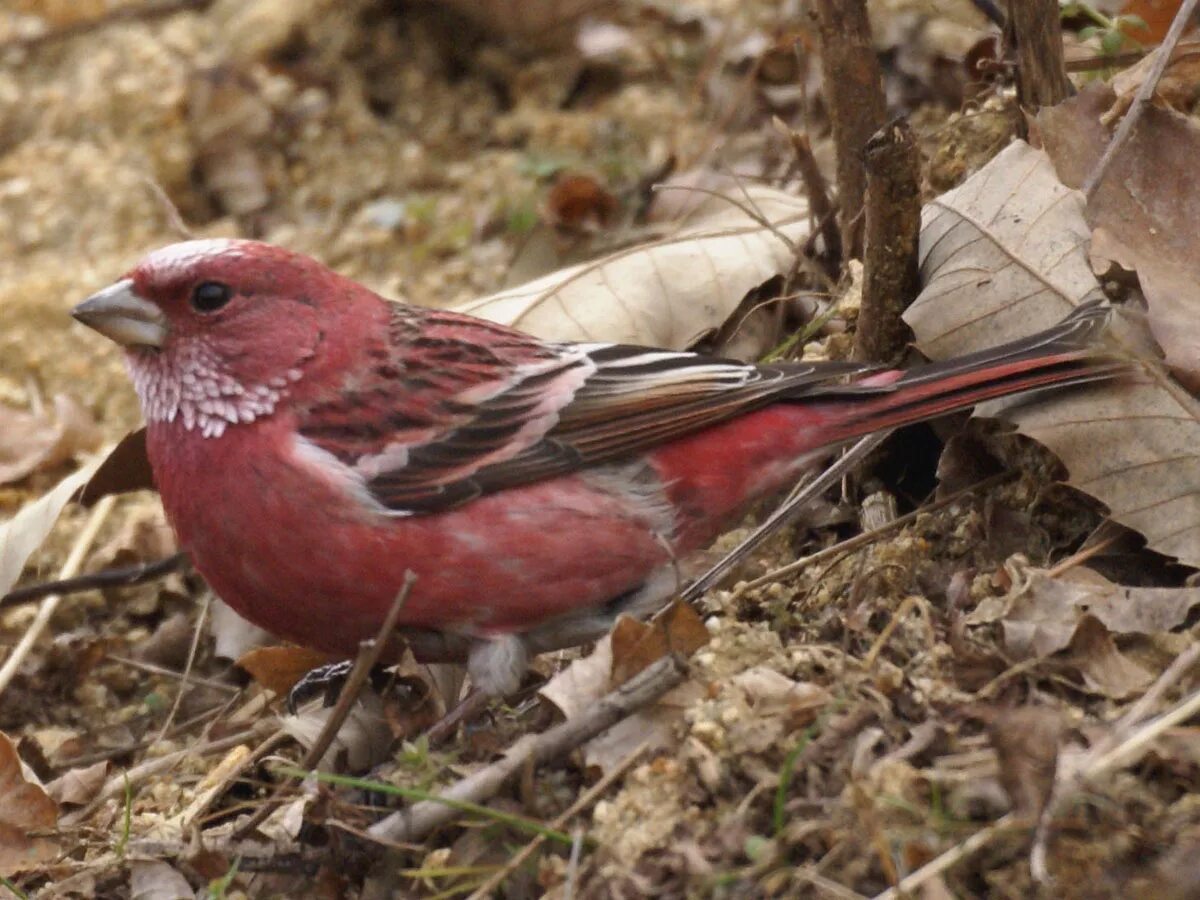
(216, 332)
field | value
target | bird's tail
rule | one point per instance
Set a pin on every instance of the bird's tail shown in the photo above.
(1065, 354)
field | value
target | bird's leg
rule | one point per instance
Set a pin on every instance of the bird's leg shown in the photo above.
(495, 665)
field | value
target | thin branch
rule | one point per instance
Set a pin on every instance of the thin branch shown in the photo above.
(643, 689)
(120, 576)
(1141, 98)
(369, 652)
(586, 799)
(784, 514)
(869, 537)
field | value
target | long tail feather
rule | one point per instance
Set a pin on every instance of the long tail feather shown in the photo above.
(1065, 354)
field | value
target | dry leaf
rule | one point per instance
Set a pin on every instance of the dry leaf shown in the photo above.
(636, 645)
(363, 740)
(652, 727)
(668, 293)
(33, 441)
(1043, 616)
(153, 879)
(21, 535)
(1146, 207)
(1176, 87)
(580, 203)
(78, 787)
(579, 685)
(1105, 669)
(1005, 254)
(24, 807)
(576, 689)
(279, 668)
(125, 468)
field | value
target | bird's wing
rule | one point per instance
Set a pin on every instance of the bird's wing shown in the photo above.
(451, 408)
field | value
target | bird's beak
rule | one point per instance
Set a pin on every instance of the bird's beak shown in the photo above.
(121, 315)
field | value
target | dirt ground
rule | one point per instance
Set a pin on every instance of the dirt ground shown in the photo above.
(846, 723)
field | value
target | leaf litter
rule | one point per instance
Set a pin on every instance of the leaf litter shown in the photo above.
(835, 725)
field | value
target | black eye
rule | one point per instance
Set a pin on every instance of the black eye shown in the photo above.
(209, 296)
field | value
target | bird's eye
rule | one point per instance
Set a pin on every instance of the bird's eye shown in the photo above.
(209, 296)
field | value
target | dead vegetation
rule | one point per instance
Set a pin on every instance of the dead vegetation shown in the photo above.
(987, 690)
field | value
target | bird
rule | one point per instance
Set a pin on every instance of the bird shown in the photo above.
(314, 443)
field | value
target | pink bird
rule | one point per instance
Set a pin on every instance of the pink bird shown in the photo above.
(314, 442)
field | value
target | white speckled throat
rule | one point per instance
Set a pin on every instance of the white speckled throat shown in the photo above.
(192, 385)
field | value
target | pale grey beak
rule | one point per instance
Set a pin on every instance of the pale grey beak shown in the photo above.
(121, 315)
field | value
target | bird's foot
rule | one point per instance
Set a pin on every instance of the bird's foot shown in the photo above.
(327, 681)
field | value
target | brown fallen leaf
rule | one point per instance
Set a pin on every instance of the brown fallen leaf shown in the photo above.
(33, 441)
(1040, 617)
(279, 668)
(580, 202)
(1176, 87)
(1105, 669)
(126, 468)
(636, 645)
(1005, 254)
(1146, 208)
(78, 787)
(24, 807)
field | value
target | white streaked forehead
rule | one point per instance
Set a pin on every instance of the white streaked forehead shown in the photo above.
(186, 253)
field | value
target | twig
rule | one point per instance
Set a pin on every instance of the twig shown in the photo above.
(151, 668)
(1141, 98)
(121, 576)
(369, 652)
(853, 85)
(185, 675)
(952, 857)
(814, 187)
(586, 799)
(116, 784)
(869, 537)
(893, 226)
(783, 515)
(142, 12)
(1034, 30)
(83, 543)
(644, 688)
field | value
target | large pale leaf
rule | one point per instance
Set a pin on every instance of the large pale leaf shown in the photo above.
(667, 293)
(1005, 254)
(24, 532)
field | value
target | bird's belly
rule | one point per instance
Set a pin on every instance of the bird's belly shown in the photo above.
(305, 561)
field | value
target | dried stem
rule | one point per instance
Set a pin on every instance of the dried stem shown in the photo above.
(853, 86)
(893, 214)
(369, 652)
(1182, 18)
(1034, 30)
(643, 689)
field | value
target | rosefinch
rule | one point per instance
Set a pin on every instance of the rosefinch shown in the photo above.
(312, 442)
